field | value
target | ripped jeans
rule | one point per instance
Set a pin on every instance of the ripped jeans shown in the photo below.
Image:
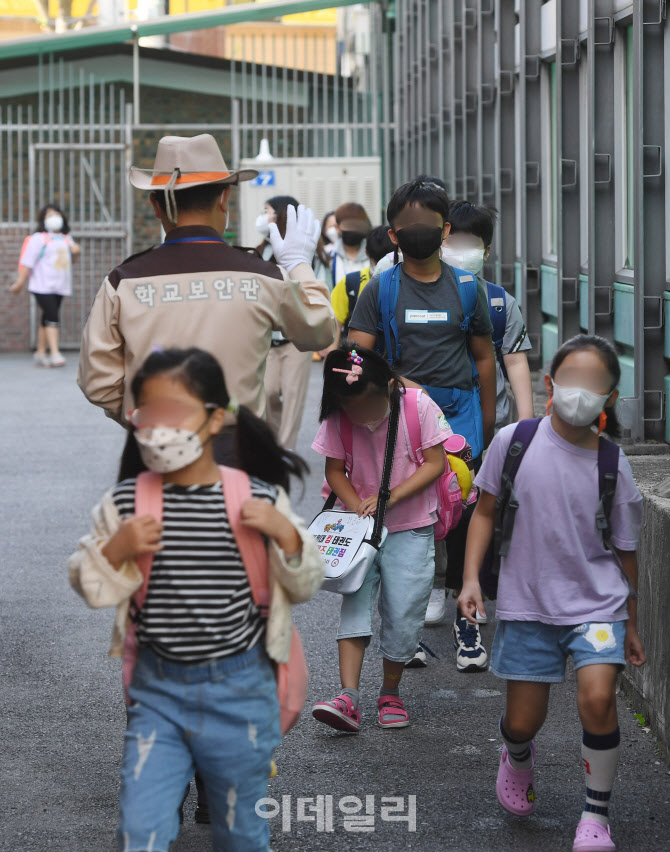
(221, 718)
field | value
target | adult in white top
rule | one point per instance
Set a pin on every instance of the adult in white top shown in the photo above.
(46, 261)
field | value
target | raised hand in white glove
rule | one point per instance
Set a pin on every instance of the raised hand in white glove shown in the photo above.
(302, 236)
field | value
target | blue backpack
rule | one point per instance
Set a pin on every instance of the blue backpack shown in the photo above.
(498, 314)
(387, 300)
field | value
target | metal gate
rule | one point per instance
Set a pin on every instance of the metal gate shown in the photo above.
(92, 176)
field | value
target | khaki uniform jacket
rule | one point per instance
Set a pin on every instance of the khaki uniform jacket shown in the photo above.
(101, 585)
(207, 294)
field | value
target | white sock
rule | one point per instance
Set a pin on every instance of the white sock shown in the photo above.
(600, 754)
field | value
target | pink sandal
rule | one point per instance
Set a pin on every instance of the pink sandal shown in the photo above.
(390, 708)
(514, 787)
(339, 713)
(593, 836)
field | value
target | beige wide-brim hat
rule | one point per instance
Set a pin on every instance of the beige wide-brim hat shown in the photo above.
(186, 161)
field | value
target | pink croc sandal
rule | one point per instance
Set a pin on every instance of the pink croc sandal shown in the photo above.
(514, 787)
(339, 713)
(392, 713)
(593, 836)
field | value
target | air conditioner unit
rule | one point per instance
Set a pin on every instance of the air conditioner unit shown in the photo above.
(320, 183)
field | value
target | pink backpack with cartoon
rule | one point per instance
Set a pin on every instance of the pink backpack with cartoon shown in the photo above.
(451, 493)
(291, 676)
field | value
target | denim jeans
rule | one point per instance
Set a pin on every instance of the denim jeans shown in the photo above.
(221, 718)
(404, 568)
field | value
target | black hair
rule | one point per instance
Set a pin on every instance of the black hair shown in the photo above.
(610, 359)
(426, 194)
(466, 218)
(201, 198)
(323, 224)
(256, 449)
(432, 179)
(42, 215)
(376, 375)
(378, 243)
(280, 204)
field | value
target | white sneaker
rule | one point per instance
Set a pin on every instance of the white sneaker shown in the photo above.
(481, 618)
(470, 653)
(418, 661)
(41, 360)
(57, 360)
(437, 608)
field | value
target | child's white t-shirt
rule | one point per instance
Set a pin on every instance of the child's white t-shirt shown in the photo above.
(48, 258)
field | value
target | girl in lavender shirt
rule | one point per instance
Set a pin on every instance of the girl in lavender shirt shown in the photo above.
(360, 385)
(561, 592)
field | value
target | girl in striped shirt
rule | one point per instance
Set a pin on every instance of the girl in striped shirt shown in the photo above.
(203, 693)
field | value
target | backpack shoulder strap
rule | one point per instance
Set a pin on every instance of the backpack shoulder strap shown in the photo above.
(411, 411)
(352, 284)
(467, 288)
(608, 472)
(497, 298)
(148, 501)
(523, 435)
(237, 489)
(389, 287)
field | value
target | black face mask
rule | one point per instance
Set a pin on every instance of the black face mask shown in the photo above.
(352, 238)
(419, 241)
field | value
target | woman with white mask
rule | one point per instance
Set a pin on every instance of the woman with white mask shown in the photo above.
(46, 261)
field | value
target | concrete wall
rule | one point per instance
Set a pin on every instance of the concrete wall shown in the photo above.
(649, 687)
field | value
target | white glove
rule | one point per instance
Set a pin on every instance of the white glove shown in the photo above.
(302, 235)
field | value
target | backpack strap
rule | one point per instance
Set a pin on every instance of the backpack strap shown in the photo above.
(411, 410)
(236, 490)
(467, 289)
(148, 501)
(608, 472)
(389, 287)
(507, 503)
(497, 299)
(352, 284)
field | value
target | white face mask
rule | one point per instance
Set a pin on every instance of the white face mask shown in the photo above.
(53, 223)
(165, 449)
(471, 260)
(263, 224)
(332, 234)
(577, 406)
(377, 423)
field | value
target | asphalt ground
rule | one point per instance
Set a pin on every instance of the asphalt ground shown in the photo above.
(62, 715)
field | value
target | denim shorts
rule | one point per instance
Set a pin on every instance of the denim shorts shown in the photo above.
(533, 651)
(220, 717)
(403, 574)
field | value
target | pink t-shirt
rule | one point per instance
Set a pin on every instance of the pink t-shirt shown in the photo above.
(365, 465)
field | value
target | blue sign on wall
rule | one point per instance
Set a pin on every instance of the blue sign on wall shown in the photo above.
(265, 178)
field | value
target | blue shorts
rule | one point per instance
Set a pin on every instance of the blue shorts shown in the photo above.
(404, 568)
(533, 651)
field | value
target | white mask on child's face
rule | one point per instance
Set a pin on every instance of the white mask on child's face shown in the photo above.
(263, 224)
(53, 223)
(577, 406)
(375, 424)
(469, 259)
(165, 449)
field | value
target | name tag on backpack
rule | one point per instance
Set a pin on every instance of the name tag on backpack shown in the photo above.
(423, 317)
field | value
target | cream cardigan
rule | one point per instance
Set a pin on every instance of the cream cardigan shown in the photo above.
(94, 578)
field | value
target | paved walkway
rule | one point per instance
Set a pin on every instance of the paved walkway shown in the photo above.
(62, 716)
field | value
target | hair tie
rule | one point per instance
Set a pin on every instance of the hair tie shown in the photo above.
(233, 405)
(352, 375)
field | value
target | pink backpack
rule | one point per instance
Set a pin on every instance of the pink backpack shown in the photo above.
(291, 676)
(449, 494)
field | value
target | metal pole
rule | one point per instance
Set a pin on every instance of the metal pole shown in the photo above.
(136, 76)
